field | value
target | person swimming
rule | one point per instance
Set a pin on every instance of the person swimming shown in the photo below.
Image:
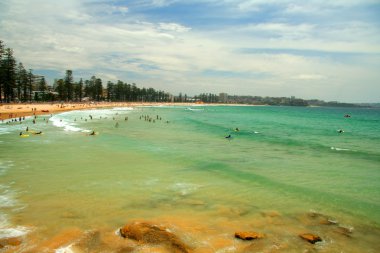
(93, 133)
(237, 130)
(228, 137)
(340, 131)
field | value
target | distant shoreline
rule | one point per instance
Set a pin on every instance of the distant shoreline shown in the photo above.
(17, 110)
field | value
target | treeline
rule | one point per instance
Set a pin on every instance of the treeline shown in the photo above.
(92, 89)
(258, 100)
(16, 83)
(203, 97)
(121, 91)
(20, 85)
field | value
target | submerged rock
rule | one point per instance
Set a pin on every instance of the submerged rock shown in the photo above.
(10, 241)
(144, 232)
(270, 214)
(345, 230)
(311, 238)
(323, 218)
(248, 235)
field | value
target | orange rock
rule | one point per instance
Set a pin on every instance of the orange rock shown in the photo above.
(311, 238)
(248, 235)
(149, 233)
(13, 241)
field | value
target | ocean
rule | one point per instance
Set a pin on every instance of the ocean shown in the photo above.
(284, 171)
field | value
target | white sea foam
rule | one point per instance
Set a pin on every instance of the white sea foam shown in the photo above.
(227, 249)
(7, 200)
(194, 110)
(184, 188)
(13, 232)
(339, 149)
(123, 109)
(67, 249)
(67, 120)
(7, 129)
(63, 123)
(4, 130)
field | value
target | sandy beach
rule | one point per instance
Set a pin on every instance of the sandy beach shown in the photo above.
(9, 111)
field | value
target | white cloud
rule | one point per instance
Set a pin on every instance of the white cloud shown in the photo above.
(173, 27)
(309, 77)
(174, 56)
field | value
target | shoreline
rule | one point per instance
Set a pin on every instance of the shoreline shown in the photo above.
(11, 111)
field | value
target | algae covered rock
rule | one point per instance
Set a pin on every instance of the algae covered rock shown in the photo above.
(248, 235)
(145, 232)
(311, 238)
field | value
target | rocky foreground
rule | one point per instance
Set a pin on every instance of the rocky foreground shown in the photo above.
(148, 236)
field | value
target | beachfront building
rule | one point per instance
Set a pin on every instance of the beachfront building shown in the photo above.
(223, 97)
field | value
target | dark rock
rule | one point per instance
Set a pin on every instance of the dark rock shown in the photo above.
(248, 235)
(149, 233)
(311, 238)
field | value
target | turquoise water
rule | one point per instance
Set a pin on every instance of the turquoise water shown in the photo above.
(290, 161)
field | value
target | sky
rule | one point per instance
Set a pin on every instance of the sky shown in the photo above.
(316, 49)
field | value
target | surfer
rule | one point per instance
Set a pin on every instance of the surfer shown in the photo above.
(228, 137)
(93, 133)
(237, 130)
(27, 129)
(40, 132)
(340, 131)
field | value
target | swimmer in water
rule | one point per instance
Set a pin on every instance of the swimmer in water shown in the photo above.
(228, 137)
(93, 133)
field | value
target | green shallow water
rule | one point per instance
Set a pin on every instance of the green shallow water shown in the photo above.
(289, 160)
